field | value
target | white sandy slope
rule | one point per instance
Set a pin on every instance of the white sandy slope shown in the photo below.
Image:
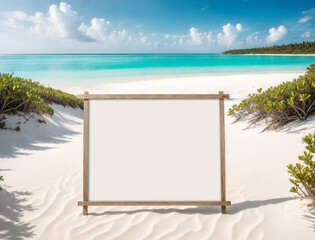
(42, 167)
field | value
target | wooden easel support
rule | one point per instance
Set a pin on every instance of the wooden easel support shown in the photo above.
(222, 152)
(85, 152)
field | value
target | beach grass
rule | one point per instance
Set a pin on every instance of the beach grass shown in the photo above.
(277, 106)
(24, 96)
(303, 175)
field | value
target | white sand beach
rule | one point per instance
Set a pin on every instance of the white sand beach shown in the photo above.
(42, 168)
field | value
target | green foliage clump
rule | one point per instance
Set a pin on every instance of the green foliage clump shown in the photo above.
(293, 48)
(27, 96)
(303, 176)
(41, 121)
(1, 179)
(287, 102)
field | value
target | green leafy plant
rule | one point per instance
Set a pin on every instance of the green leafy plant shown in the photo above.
(277, 106)
(1, 179)
(24, 95)
(41, 121)
(303, 175)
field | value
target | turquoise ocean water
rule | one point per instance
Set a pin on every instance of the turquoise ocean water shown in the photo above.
(96, 68)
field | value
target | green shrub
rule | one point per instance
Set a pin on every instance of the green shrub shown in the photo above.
(41, 121)
(27, 96)
(280, 105)
(303, 176)
(1, 179)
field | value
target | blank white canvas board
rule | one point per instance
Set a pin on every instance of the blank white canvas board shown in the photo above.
(154, 150)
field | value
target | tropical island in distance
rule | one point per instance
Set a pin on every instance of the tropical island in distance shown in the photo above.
(292, 48)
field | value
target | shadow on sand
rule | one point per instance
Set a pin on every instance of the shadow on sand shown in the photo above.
(204, 210)
(294, 127)
(58, 129)
(299, 126)
(310, 217)
(11, 226)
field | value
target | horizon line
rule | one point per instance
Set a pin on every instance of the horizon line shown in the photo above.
(106, 53)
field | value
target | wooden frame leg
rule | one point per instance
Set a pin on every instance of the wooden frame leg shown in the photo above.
(85, 152)
(85, 210)
(223, 209)
(222, 151)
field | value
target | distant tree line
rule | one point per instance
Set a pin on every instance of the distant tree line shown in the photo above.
(293, 48)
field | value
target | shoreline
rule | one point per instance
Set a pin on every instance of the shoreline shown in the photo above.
(99, 81)
(186, 84)
(276, 54)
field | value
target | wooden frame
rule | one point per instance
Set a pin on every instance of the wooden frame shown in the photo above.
(85, 203)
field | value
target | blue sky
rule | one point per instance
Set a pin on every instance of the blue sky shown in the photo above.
(125, 26)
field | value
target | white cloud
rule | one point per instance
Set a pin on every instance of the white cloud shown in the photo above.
(173, 44)
(305, 35)
(181, 42)
(196, 36)
(239, 27)
(249, 39)
(97, 29)
(230, 34)
(305, 19)
(120, 39)
(21, 16)
(308, 11)
(208, 37)
(62, 22)
(308, 15)
(143, 40)
(117, 36)
(275, 35)
(253, 40)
